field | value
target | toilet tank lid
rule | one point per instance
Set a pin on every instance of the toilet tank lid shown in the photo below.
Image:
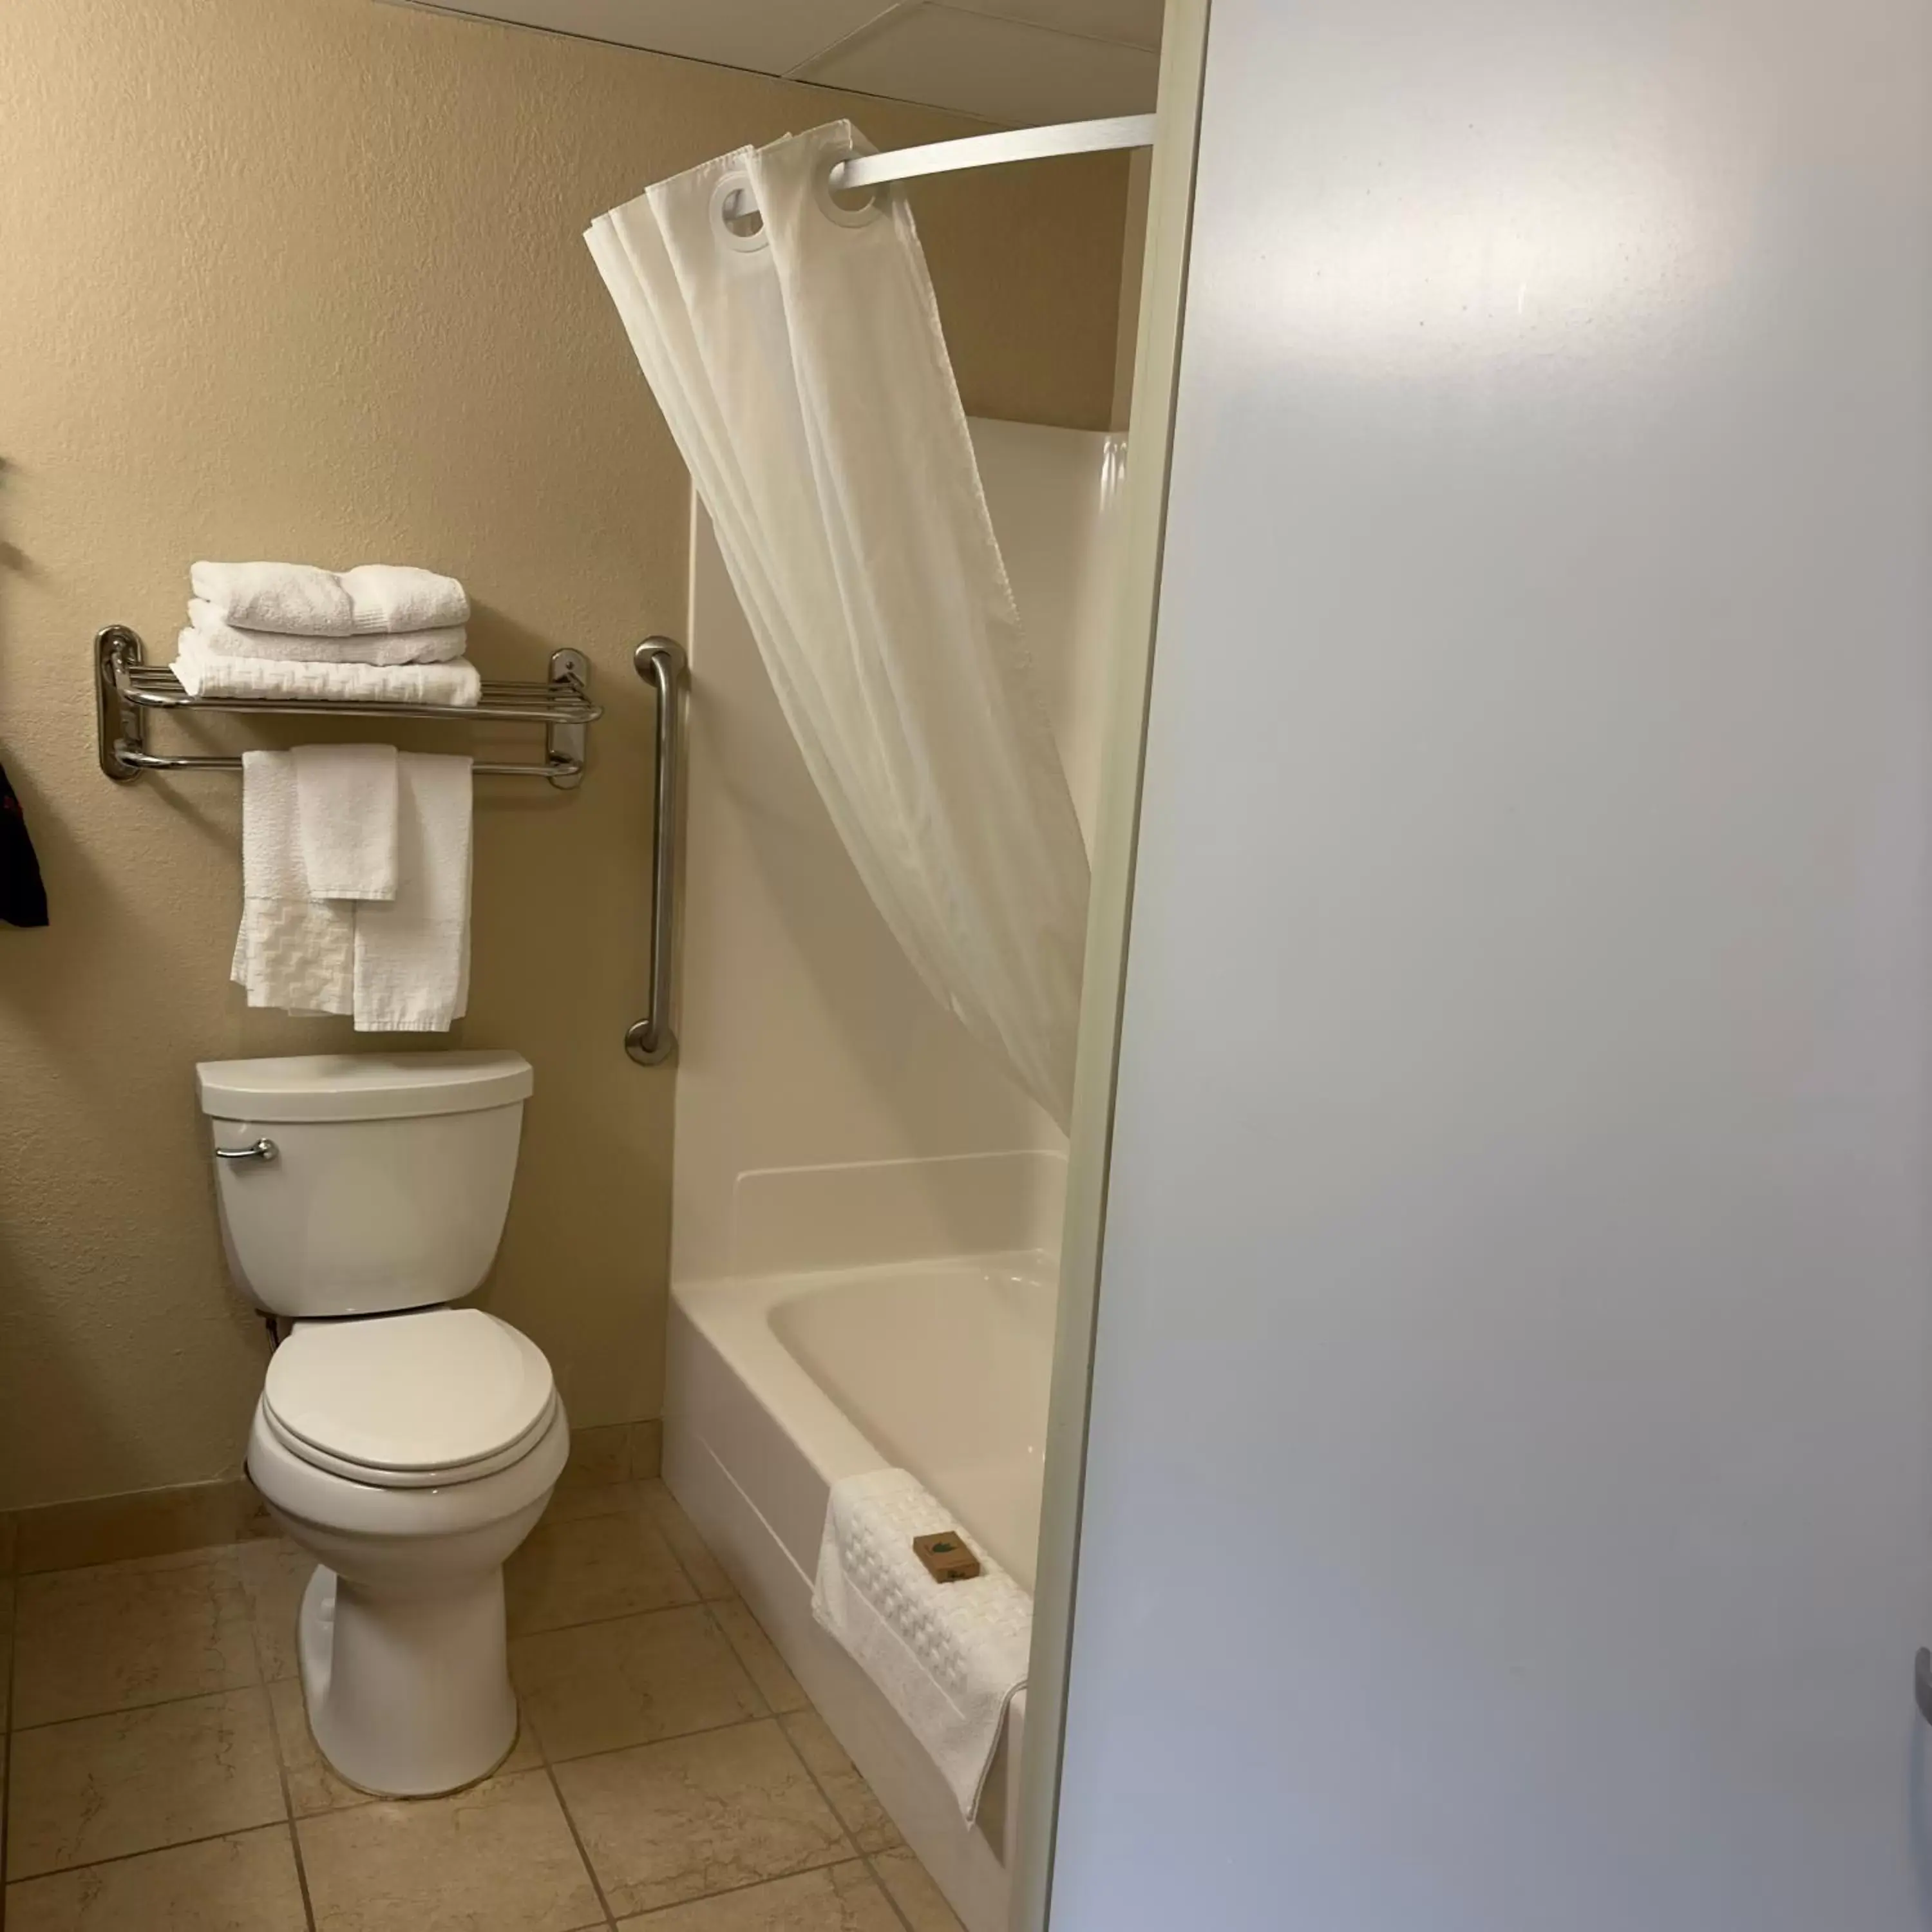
(360, 1086)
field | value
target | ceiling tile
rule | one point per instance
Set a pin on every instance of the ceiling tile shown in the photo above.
(767, 36)
(1001, 69)
(1135, 21)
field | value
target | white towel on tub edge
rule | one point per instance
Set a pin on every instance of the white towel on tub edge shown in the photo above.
(949, 1657)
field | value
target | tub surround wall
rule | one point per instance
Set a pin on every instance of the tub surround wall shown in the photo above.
(817, 1071)
(306, 279)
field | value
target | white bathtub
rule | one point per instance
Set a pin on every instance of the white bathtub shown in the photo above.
(781, 1385)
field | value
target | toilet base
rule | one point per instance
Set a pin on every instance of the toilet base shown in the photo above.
(408, 1690)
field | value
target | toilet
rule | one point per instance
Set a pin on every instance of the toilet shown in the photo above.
(409, 1445)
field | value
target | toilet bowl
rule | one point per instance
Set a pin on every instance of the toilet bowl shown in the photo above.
(408, 1445)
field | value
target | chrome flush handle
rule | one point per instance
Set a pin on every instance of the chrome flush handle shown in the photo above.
(1922, 1683)
(262, 1150)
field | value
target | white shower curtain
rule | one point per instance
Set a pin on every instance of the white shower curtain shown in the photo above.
(803, 372)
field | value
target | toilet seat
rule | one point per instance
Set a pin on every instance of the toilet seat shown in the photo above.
(415, 1401)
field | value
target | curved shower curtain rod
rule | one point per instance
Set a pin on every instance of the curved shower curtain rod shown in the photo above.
(993, 151)
(979, 151)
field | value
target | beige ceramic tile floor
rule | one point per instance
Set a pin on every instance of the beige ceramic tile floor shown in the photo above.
(670, 1775)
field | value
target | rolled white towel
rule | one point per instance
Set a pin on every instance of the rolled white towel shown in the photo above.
(205, 674)
(379, 647)
(300, 598)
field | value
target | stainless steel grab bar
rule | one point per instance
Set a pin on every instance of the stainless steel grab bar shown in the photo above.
(659, 661)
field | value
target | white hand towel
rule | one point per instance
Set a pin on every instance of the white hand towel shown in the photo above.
(291, 950)
(300, 597)
(412, 952)
(379, 647)
(345, 807)
(205, 673)
(399, 597)
(277, 597)
(949, 1656)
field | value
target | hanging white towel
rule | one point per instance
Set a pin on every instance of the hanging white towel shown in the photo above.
(206, 673)
(346, 805)
(293, 950)
(949, 1657)
(300, 597)
(412, 952)
(381, 647)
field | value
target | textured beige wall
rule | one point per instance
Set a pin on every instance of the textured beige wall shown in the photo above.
(303, 277)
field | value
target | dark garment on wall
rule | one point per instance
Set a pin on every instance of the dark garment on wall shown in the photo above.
(23, 900)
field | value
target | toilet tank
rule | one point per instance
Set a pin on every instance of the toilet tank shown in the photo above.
(389, 1178)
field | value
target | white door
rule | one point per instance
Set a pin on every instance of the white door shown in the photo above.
(1508, 1505)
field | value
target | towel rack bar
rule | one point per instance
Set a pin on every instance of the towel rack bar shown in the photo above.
(154, 761)
(127, 688)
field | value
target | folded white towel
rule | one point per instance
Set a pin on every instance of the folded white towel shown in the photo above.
(291, 950)
(276, 597)
(399, 597)
(206, 673)
(345, 810)
(298, 597)
(379, 647)
(412, 968)
(949, 1656)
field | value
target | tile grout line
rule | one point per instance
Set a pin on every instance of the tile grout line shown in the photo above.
(543, 1749)
(855, 1857)
(886, 1890)
(768, 1714)
(570, 1825)
(825, 1798)
(152, 1851)
(291, 1677)
(368, 1798)
(777, 1716)
(771, 1715)
(275, 1744)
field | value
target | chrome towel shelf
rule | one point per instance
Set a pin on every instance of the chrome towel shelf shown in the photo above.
(127, 688)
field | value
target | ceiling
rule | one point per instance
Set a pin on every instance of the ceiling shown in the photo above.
(1013, 61)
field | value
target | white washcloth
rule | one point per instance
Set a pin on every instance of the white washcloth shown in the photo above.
(206, 673)
(346, 805)
(379, 647)
(299, 597)
(949, 1657)
(411, 967)
(291, 950)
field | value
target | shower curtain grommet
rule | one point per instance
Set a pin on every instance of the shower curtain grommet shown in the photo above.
(737, 187)
(855, 215)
